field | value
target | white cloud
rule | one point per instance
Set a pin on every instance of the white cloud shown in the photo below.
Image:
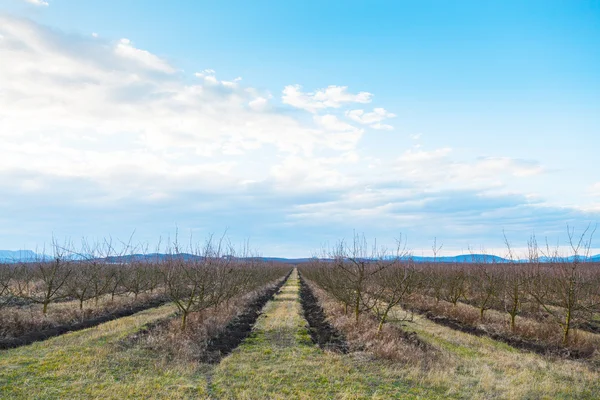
(104, 109)
(37, 2)
(125, 49)
(594, 189)
(436, 169)
(258, 104)
(209, 77)
(411, 156)
(377, 115)
(382, 127)
(516, 167)
(94, 35)
(373, 119)
(87, 122)
(89, 110)
(297, 174)
(232, 83)
(205, 73)
(330, 97)
(332, 123)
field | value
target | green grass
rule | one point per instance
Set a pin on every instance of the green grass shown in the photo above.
(93, 364)
(279, 361)
(480, 367)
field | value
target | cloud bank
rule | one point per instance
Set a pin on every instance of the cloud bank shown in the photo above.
(100, 137)
(37, 2)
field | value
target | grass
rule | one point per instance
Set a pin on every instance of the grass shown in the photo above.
(19, 320)
(279, 361)
(93, 364)
(529, 327)
(480, 367)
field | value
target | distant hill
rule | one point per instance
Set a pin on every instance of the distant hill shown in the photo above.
(464, 258)
(190, 257)
(20, 255)
(10, 256)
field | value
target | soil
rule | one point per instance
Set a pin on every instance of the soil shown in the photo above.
(517, 342)
(593, 327)
(590, 326)
(66, 328)
(321, 331)
(239, 328)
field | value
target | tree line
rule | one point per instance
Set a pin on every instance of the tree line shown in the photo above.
(547, 287)
(212, 276)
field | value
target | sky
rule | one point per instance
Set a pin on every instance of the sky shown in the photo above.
(295, 124)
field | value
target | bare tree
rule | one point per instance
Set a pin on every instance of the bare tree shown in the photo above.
(43, 282)
(397, 283)
(567, 292)
(513, 283)
(6, 273)
(484, 284)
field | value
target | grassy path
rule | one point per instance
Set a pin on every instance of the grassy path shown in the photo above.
(279, 361)
(480, 367)
(91, 364)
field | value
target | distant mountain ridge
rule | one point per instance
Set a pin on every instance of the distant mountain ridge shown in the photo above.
(19, 255)
(462, 258)
(12, 256)
(190, 257)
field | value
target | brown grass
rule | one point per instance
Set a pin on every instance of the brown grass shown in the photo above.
(392, 343)
(18, 320)
(170, 342)
(496, 322)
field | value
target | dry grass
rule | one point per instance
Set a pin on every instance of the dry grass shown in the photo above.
(170, 342)
(488, 369)
(544, 332)
(279, 361)
(91, 364)
(19, 320)
(392, 343)
(465, 366)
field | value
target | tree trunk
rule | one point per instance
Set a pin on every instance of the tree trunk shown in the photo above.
(357, 307)
(567, 328)
(512, 322)
(184, 320)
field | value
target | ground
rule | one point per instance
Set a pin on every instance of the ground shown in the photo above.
(279, 361)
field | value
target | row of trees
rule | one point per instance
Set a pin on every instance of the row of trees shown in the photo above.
(547, 287)
(208, 276)
(214, 277)
(47, 282)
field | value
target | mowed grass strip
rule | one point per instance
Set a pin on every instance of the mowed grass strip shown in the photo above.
(94, 364)
(480, 367)
(279, 361)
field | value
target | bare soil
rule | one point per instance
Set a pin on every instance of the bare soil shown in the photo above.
(514, 341)
(239, 328)
(321, 331)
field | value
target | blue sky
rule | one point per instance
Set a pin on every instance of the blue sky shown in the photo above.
(456, 120)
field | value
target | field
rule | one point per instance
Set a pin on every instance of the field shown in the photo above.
(347, 328)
